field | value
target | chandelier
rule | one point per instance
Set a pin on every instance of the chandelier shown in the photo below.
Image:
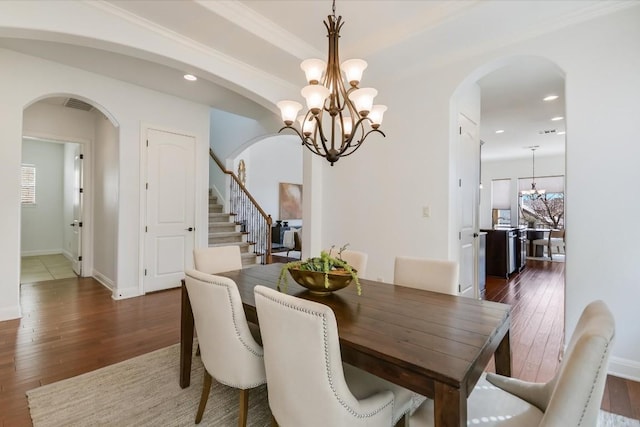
(338, 120)
(534, 192)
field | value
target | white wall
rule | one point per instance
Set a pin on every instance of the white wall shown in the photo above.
(131, 107)
(105, 198)
(387, 180)
(513, 169)
(41, 224)
(269, 162)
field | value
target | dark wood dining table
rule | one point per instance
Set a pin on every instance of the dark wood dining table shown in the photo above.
(434, 344)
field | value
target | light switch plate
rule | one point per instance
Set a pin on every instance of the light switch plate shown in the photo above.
(426, 211)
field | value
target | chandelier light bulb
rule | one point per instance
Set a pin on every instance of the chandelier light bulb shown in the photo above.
(289, 111)
(308, 126)
(376, 115)
(363, 100)
(346, 124)
(313, 69)
(353, 69)
(315, 96)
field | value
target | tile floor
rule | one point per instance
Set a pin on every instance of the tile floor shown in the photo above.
(45, 267)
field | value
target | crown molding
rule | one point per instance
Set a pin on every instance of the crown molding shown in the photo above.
(258, 25)
(192, 45)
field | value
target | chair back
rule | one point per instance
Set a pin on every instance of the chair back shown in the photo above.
(579, 384)
(303, 362)
(228, 350)
(357, 260)
(217, 259)
(428, 274)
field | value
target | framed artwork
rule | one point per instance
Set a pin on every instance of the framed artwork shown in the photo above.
(290, 201)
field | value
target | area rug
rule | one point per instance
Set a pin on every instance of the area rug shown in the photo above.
(607, 419)
(142, 391)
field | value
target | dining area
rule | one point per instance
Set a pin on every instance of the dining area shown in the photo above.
(394, 355)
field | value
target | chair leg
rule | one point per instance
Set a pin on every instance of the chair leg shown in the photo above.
(403, 421)
(206, 388)
(244, 408)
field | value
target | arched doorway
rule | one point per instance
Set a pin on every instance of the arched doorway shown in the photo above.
(511, 113)
(81, 215)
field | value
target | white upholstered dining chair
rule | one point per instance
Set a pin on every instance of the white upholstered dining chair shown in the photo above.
(571, 398)
(308, 383)
(554, 239)
(357, 260)
(427, 274)
(229, 352)
(216, 259)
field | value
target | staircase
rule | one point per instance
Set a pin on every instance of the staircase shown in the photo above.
(223, 231)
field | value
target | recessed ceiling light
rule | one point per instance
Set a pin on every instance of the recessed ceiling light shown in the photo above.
(550, 98)
(500, 131)
(555, 119)
(561, 132)
(190, 77)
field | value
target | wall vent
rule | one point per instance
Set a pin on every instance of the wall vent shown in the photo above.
(547, 131)
(77, 104)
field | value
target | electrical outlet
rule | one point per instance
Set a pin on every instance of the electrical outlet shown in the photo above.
(426, 211)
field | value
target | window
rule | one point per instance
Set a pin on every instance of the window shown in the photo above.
(28, 184)
(545, 210)
(501, 202)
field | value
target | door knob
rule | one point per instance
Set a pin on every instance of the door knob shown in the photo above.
(72, 224)
(189, 229)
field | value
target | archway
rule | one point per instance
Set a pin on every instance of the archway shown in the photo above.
(86, 136)
(508, 99)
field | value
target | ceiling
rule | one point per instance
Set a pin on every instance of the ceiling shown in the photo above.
(274, 36)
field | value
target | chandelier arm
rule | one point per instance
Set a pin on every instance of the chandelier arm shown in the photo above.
(360, 143)
(293, 129)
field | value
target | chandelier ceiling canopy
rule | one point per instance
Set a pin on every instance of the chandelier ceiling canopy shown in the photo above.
(337, 120)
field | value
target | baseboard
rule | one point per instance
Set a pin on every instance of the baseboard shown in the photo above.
(9, 313)
(104, 280)
(42, 252)
(125, 293)
(624, 368)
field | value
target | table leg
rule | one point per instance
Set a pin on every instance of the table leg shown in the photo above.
(503, 357)
(186, 338)
(449, 406)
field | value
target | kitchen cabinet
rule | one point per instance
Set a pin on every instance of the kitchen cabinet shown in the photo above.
(501, 250)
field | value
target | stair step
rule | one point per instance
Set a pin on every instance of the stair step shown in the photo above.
(222, 227)
(227, 237)
(244, 246)
(220, 215)
(215, 208)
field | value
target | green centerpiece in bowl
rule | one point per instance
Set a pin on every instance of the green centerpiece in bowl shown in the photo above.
(321, 275)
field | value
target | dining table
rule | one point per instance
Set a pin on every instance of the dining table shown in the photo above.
(434, 344)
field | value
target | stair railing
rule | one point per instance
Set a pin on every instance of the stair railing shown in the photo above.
(252, 219)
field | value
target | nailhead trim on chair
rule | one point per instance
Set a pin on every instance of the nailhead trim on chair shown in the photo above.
(235, 326)
(326, 357)
(593, 384)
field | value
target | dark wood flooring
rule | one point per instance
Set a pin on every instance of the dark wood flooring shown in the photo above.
(73, 326)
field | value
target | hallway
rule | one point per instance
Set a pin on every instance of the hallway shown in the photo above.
(45, 267)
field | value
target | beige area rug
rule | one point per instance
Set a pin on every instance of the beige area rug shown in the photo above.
(144, 391)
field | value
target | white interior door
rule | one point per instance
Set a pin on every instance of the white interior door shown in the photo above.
(469, 188)
(170, 188)
(78, 195)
